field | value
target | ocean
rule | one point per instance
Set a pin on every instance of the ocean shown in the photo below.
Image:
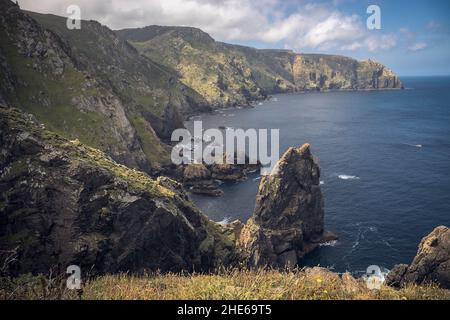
(385, 167)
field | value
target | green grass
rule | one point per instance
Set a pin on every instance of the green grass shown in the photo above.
(234, 284)
(153, 149)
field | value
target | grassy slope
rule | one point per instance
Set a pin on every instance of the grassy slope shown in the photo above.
(56, 112)
(219, 74)
(142, 85)
(242, 285)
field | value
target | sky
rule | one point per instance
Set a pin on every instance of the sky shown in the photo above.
(414, 38)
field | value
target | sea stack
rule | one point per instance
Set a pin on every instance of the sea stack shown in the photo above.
(288, 220)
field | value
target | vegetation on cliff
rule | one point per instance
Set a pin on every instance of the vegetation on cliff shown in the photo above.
(63, 203)
(226, 74)
(90, 85)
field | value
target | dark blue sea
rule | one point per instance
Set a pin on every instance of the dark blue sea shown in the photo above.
(385, 163)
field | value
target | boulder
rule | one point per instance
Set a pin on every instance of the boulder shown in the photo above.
(431, 263)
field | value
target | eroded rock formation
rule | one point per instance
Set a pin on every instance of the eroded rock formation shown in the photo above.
(288, 220)
(431, 263)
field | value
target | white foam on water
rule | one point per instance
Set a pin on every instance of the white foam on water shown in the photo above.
(331, 243)
(347, 177)
(413, 145)
(322, 182)
(224, 221)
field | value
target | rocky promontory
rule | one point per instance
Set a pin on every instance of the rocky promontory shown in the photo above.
(431, 263)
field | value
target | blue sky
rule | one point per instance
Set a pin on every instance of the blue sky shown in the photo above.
(414, 38)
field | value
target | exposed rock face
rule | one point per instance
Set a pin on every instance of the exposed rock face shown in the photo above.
(288, 220)
(198, 178)
(206, 179)
(227, 74)
(431, 263)
(64, 203)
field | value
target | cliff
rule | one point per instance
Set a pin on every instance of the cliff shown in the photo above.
(89, 85)
(226, 74)
(63, 203)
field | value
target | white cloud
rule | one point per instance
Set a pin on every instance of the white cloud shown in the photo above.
(307, 27)
(383, 42)
(418, 46)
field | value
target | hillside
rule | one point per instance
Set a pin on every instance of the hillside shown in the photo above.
(90, 85)
(226, 74)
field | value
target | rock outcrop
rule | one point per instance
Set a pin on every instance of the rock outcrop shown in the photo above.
(198, 179)
(288, 220)
(431, 263)
(206, 179)
(62, 203)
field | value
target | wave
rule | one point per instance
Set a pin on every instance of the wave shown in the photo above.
(331, 243)
(413, 145)
(347, 177)
(322, 182)
(225, 221)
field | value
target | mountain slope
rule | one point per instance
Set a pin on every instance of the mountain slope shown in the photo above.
(221, 77)
(226, 74)
(90, 85)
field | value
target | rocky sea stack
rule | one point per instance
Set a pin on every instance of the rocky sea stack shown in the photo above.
(288, 220)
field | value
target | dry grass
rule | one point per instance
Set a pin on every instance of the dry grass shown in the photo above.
(313, 284)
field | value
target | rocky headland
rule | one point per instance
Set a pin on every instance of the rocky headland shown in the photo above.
(84, 158)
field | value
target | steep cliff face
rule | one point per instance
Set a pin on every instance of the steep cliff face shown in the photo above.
(90, 85)
(227, 74)
(62, 203)
(431, 263)
(221, 77)
(288, 220)
(325, 72)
